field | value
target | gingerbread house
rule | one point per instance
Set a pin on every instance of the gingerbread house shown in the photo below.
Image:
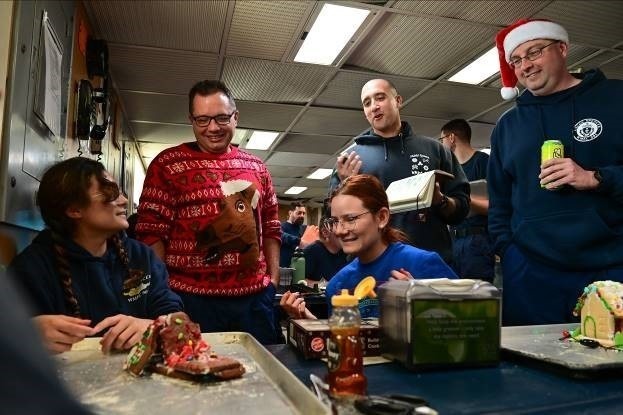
(601, 312)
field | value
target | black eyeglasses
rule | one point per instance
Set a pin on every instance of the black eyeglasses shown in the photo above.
(533, 55)
(348, 222)
(443, 137)
(220, 119)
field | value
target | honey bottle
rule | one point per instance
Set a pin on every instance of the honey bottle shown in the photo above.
(345, 354)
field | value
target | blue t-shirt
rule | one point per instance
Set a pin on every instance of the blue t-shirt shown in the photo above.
(421, 264)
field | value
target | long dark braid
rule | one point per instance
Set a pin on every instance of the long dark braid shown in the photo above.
(65, 274)
(123, 254)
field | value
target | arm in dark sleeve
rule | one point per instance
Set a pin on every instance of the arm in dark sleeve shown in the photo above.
(499, 185)
(612, 183)
(456, 188)
(288, 240)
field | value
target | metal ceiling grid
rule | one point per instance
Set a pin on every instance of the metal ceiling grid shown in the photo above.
(265, 116)
(449, 100)
(419, 46)
(254, 22)
(589, 22)
(343, 90)
(283, 181)
(261, 80)
(291, 172)
(319, 192)
(499, 13)
(162, 133)
(187, 25)
(157, 70)
(600, 60)
(492, 116)
(614, 69)
(165, 108)
(292, 159)
(321, 144)
(331, 121)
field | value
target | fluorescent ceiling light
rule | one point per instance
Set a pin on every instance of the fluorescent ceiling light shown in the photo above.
(331, 31)
(295, 190)
(479, 70)
(261, 140)
(320, 174)
(239, 135)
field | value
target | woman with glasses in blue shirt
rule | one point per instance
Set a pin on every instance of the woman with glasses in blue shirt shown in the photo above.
(360, 219)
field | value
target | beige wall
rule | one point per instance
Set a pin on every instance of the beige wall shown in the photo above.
(6, 16)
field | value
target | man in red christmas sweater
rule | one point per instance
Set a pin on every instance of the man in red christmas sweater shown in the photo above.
(210, 212)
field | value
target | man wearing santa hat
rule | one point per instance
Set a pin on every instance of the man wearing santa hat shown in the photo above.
(557, 225)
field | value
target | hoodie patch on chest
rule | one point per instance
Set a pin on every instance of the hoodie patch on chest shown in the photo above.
(587, 129)
(136, 285)
(420, 163)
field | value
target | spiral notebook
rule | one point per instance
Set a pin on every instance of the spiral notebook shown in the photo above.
(414, 192)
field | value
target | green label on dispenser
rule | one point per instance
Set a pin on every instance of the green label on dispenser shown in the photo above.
(448, 332)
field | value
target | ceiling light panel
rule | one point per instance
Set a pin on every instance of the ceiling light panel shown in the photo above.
(331, 31)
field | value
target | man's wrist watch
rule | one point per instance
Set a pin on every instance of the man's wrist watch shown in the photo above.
(598, 177)
(444, 201)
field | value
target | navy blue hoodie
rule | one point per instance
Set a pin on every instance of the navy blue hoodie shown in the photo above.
(408, 154)
(98, 282)
(567, 229)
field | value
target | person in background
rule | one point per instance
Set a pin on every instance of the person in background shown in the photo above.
(390, 150)
(82, 274)
(210, 211)
(558, 224)
(472, 247)
(360, 220)
(323, 258)
(294, 233)
(131, 231)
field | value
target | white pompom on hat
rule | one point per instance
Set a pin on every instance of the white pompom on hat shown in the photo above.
(514, 35)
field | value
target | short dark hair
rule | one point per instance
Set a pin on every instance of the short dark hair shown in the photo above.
(295, 205)
(209, 87)
(460, 128)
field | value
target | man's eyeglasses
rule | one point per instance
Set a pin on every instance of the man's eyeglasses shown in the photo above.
(220, 119)
(533, 55)
(348, 222)
(443, 137)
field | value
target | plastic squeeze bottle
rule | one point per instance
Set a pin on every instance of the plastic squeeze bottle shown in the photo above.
(345, 354)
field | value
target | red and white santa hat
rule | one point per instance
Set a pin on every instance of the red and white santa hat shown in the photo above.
(514, 35)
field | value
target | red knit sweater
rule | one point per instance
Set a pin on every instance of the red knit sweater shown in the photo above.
(212, 212)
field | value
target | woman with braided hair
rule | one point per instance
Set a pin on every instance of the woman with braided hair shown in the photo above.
(82, 273)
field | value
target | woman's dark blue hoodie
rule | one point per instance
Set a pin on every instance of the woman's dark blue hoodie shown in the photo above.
(98, 282)
(567, 229)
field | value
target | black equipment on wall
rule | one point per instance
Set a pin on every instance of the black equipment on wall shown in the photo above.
(92, 124)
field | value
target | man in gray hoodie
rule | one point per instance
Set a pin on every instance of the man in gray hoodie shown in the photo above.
(390, 150)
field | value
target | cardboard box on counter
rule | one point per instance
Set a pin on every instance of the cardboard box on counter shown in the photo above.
(309, 337)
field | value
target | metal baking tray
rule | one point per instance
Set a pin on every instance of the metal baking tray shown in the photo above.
(267, 387)
(541, 345)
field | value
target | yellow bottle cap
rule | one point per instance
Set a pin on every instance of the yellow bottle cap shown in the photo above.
(365, 288)
(344, 299)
